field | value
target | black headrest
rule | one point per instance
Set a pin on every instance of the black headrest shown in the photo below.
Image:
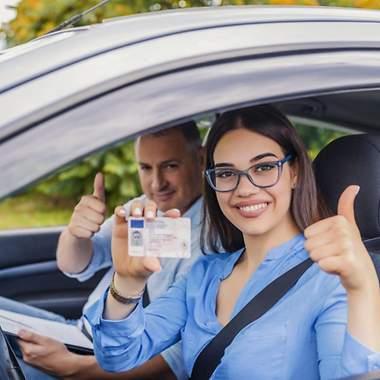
(353, 160)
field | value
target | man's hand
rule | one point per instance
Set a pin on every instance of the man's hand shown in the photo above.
(46, 353)
(74, 249)
(54, 358)
(90, 212)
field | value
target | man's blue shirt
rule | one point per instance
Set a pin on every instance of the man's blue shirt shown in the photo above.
(303, 336)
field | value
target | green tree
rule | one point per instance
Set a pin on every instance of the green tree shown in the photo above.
(316, 138)
(37, 17)
(120, 170)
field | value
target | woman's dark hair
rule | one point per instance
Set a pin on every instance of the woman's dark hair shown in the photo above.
(218, 233)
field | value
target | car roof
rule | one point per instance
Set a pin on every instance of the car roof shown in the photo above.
(62, 48)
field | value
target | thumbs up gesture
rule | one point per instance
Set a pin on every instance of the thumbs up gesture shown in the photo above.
(90, 212)
(335, 244)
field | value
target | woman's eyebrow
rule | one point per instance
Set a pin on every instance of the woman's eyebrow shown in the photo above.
(262, 155)
(256, 158)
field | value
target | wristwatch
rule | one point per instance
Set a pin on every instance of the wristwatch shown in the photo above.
(125, 300)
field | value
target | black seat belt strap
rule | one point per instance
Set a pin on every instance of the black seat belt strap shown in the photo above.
(145, 297)
(211, 355)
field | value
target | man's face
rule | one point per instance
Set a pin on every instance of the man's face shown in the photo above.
(170, 171)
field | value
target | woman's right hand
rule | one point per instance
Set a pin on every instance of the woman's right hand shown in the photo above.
(134, 268)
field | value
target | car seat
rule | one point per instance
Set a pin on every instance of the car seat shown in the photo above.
(354, 160)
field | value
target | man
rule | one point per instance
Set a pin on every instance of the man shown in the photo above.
(170, 166)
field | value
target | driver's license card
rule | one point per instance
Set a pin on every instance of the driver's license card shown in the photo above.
(161, 237)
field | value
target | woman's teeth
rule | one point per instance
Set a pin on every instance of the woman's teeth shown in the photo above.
(252, 208)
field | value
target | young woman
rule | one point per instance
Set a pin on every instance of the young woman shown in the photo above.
(262, 212)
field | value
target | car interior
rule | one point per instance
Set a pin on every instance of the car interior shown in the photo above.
(329, 86)
(354, 160)
(34, 278)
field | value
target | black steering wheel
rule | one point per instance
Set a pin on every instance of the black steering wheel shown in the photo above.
(9, 367)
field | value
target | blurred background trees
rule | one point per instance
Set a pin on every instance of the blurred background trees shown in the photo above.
(37, 17)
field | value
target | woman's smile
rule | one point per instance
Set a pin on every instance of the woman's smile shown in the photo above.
(252, 208)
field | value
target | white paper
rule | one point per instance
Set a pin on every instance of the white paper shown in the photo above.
(160, 237)
(12, 322)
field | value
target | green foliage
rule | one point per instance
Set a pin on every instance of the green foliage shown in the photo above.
(32, 210)
(37, 17)
(117, 165)
(316, 138)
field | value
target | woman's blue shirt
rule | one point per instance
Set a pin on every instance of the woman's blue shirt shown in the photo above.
(303, 336)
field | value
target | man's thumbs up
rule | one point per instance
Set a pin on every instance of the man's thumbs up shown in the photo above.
(89, 214)
(99, 187)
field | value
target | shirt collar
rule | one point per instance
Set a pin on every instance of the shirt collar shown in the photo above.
(292, 246)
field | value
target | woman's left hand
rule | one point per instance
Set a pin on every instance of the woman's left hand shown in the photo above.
(336, 245)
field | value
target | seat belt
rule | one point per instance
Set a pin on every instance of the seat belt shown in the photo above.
(211, 355)
(145, 297)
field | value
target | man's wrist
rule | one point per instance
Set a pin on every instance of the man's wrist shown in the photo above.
(72, 235)
(73, 254)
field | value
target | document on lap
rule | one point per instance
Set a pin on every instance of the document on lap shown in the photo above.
(70, 335)
(161, 237)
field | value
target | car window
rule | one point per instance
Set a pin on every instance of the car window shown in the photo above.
(315, 138)
(103, 118)
(51, 201)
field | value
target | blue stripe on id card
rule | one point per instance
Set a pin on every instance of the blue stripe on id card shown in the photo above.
(137, 223)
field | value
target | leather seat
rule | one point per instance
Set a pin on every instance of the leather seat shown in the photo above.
(354, 160)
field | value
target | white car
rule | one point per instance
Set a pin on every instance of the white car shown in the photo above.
(74, 92)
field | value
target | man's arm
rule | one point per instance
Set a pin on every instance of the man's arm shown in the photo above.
(73, 254)
(74, 250)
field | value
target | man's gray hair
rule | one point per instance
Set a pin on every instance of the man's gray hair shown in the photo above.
(189, 131)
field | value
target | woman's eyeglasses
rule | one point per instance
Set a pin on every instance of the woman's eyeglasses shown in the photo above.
(262, 175)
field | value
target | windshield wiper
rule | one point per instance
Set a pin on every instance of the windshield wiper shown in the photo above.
(73, 20)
